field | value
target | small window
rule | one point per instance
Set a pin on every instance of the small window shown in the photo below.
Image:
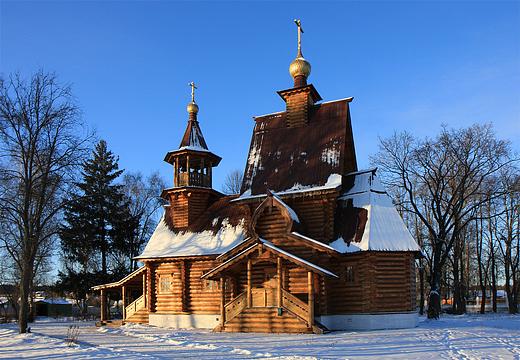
(210, 285)
(165, 284)
(349, 274)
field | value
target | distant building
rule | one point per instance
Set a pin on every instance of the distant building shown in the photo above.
(310, 244)
(53, 307)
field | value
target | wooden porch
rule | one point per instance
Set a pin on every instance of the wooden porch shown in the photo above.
(266, 305)
(132, 290)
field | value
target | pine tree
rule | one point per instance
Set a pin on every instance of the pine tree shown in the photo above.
(98, 227)
(98, 222)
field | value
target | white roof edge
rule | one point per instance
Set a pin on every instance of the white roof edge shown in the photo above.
(349, 99)
(363, 171)
(229, 260)
(314, 241)
(289, 192)
(274, 113)
(299, 259)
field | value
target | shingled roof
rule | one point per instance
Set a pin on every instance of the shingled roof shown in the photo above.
(281, 158)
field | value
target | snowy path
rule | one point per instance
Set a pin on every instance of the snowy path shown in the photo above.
(463, 337)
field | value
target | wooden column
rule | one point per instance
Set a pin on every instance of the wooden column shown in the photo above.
(209, 175)
(279, 280)
(103, 305)
(176, 182)
(184, 306)
(188, 169)
(222, 300)
(249, 270)
(144, 290)
(123, 299)
(149, 293)
(310, 285)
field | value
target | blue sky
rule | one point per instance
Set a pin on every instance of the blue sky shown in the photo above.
(409, 66)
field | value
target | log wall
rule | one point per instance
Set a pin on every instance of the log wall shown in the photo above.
(383, 282)
(188, 293)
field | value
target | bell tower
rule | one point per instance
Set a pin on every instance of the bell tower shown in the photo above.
(192, 191)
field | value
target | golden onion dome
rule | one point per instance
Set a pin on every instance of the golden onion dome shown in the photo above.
(192, 108)
(300, 67)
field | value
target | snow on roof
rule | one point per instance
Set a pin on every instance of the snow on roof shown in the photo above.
(297, 259)
(384, 229)
(167, 243)
(56, 301)
(192, 147)
(291, 212)
(333, 182)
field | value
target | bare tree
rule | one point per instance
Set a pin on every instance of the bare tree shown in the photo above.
(233, 182)
(442, 179)
(144, 198)
(510, 237)
(40, 151)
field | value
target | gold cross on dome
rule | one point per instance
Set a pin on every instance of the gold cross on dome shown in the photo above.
(300, 31)
(193, 87)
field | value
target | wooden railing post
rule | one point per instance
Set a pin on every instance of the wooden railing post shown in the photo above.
(123, 299)
(222, 301)
(279, 280)
(103, 306)
(310, 284)
(249, 270)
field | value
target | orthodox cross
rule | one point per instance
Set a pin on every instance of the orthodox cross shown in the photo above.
(300, 31)
(193, 87)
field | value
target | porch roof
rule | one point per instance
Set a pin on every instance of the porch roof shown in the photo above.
(269, 246)
(121, 282)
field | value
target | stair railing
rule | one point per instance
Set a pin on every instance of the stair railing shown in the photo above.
(134, 306)
(295, 305)
(236, 306)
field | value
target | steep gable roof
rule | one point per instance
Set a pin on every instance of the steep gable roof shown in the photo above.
(282, 158)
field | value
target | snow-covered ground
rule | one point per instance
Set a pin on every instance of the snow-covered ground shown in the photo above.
(452, 337)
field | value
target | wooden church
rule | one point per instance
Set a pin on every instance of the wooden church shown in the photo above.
(310, 244)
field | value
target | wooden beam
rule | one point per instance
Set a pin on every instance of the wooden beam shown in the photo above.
(279, 281)
(103, 305)
(310, 285)
(249, 270)
(222, 301)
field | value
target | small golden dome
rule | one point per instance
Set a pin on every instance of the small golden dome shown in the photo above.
(299, 67)
(192, 107)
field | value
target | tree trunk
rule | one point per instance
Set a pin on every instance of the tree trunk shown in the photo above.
(434, 299)
(421, 287)
(25, 289)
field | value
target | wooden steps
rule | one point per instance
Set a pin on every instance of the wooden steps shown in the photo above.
(139, 317)
(266, 320)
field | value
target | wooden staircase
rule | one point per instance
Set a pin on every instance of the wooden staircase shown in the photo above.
(292, 317)
(136, 312)
(266, 320)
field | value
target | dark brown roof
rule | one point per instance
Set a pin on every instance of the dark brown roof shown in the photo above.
(281, 157)
(193, 136)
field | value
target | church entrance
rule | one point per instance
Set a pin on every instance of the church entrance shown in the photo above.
(265, 296)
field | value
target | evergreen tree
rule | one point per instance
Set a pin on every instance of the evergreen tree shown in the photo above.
(98, 225)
